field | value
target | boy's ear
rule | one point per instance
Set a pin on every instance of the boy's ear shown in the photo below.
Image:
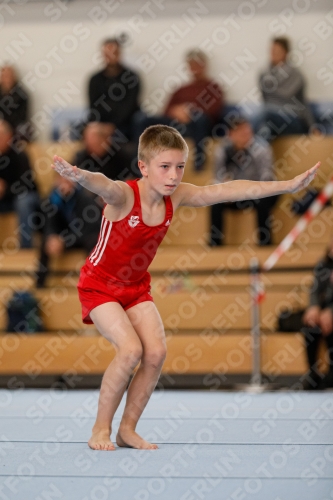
(143, 168)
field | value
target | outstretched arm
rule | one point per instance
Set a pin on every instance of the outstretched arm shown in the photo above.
(201, 196)
(111, 191)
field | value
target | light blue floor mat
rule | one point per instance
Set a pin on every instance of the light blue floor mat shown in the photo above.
(212, 446)
(177, 431)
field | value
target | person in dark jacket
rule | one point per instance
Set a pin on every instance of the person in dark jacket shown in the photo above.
(114, 91)
(243, 156)
(103, 153)
(70, 201)
(18, 191)
(73, 221)
(318, 321)
(14, 103)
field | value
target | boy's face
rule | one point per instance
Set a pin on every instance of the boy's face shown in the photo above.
(165, 170)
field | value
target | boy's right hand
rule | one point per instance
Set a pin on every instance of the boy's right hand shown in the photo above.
(67, 170)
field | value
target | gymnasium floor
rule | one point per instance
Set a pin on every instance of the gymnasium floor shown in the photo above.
(212, 445)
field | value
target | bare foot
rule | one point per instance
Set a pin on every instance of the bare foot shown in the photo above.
(100, 440)
(130, 439)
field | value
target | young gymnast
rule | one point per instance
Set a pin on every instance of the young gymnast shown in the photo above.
(114, 284)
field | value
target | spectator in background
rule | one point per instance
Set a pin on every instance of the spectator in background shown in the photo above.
(114, 91)
(102, 152)
(285, 110)
(318, 321)
(66, 225)
(18, 191)
(243, 156)
(73, 221)
(193, 109)
(14, 102)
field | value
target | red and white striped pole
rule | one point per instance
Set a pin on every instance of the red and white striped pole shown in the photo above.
(255, 323)
(257, 289)
(299, 227)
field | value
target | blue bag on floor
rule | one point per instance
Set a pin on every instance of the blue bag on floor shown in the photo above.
(23, 314)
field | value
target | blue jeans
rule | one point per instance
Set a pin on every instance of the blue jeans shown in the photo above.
(27, 207)
(271, 122)
(197, 129)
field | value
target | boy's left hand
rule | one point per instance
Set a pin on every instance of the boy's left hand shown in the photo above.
(301, 181)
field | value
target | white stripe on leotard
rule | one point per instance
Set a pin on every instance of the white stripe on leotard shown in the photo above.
(100, 240)
(104, 244)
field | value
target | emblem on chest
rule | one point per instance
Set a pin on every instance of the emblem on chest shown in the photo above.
(133, 220)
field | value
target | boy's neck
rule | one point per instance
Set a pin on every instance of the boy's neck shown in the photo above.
(148, 196)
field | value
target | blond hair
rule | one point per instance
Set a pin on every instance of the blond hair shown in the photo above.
(158, 138)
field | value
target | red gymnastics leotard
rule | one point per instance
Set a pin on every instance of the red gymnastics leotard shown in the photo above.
(116, 269)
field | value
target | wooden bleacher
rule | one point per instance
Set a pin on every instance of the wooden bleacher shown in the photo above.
(201, 292)
(206, 315)
(293, 156)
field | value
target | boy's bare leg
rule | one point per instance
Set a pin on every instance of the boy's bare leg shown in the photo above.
(113, 323)
(148, 324)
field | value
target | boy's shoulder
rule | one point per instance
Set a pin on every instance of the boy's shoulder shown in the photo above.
(128, 188)
(127, 185)
(180, 193)
(122, 203)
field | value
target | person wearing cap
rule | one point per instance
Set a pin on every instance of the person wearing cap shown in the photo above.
(243, 156)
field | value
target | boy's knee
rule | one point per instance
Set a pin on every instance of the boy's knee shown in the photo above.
(131, 354)
(155, 357)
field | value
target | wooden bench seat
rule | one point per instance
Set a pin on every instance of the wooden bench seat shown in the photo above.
(190, 226)
(199, 309)
(9, 239)
(171, 283)
(190, 353)
(41, 157)
(178, 259)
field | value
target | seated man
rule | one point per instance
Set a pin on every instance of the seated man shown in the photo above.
(285, 110)
(73, 221)
(14, 103)
(114, 91)
(103, 154)
(318, 321)
(193, 109)
(242, 156)
(71, 202)
(18, 190)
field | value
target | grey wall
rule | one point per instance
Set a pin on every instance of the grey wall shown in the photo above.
(55, 45)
